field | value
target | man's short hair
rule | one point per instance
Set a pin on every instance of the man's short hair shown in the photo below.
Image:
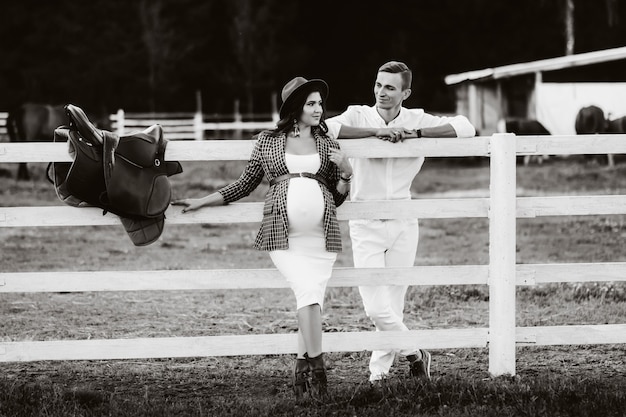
(396, 67)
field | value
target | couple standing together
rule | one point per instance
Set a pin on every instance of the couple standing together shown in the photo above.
(309, 176)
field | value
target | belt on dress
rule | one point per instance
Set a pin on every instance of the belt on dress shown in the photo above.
(316, 177)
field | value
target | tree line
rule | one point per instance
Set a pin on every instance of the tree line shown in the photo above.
(153, 55)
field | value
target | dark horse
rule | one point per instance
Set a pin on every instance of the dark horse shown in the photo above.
(591, 120)
(33, 122)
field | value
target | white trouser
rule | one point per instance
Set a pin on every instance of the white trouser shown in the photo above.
(377, 244)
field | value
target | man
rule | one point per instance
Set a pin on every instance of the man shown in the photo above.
(389, 243)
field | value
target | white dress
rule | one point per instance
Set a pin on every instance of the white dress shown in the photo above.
(306, 265)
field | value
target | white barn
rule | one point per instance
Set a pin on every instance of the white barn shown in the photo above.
(551, 91)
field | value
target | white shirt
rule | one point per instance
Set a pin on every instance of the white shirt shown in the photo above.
(389, 178)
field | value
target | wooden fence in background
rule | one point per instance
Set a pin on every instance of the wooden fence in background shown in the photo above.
(3, 124)
(501, 274)
(184, 125)
(194, 125)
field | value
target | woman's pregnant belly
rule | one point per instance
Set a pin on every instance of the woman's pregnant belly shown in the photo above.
(305, 206)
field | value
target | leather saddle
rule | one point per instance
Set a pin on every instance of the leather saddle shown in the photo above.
(125, 175)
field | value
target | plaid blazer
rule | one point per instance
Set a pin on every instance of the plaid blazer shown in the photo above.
(268, 159)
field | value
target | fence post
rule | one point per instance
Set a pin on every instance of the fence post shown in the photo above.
(198, 129)
(502, 238)
(275, 116)
(120, 122)
(237, 131)
(198, 132)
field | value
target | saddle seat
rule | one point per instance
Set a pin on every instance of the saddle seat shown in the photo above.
(125, 175)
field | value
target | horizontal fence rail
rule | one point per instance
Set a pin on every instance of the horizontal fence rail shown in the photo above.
(502, 275)
(239, 150)
(272, 344)
(234, 279)
(448, 208)
(191, 125)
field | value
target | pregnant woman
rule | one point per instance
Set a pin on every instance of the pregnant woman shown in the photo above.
(309, 177)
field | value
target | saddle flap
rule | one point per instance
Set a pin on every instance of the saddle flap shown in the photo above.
(77, 183)
(143, 232)
(144, 148)
(173, 168)
(136, 174)
(84, 178)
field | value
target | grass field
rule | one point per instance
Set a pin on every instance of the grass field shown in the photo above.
(550, 380)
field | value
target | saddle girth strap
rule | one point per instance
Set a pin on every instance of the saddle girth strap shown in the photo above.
(284, 177)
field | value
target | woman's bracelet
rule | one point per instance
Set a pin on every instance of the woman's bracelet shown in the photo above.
(341, 177)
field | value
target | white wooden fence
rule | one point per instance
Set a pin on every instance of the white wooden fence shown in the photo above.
(501, 274)
(190, 125)
(180, 125)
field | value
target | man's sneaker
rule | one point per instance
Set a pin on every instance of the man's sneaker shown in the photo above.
(420, 368)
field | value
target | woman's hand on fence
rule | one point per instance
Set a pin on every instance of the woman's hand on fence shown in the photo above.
(190, 204)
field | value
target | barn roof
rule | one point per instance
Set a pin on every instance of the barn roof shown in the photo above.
(550, 64)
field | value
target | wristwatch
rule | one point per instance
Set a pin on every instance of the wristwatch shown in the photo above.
(418, 132)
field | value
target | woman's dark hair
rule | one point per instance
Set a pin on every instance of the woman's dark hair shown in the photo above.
(294, 111)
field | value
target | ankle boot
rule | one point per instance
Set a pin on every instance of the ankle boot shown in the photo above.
(301, 375)
(318, 376)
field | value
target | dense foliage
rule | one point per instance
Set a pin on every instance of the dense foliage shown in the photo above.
(144, 55)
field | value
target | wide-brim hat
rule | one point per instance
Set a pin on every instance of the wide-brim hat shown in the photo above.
(298, 86)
